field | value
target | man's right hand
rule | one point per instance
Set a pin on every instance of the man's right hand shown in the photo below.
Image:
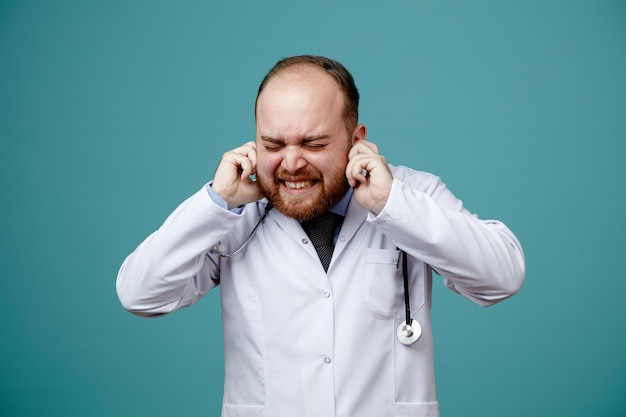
(232, 177)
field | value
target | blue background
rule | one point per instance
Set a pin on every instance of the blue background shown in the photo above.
(113, 112)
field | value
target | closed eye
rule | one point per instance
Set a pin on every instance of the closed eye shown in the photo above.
(315, 145)
(273, 147)
(271, 144)
(316, 142)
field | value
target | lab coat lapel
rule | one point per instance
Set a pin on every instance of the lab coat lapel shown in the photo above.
(355, 217)
(293, 230)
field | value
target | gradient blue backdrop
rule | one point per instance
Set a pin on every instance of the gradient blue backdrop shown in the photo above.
(113, 112)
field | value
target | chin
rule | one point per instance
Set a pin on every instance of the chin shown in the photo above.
(301, 209)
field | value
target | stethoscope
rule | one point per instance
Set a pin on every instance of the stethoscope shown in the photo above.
(409, 331)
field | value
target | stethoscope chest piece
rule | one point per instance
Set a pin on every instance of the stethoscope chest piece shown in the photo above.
(409, 334)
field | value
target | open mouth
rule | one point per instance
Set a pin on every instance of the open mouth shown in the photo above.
(297, 185)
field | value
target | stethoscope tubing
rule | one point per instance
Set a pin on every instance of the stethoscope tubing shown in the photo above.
(249, 238)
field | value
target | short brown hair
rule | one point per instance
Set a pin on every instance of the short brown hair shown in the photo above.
(331, 67)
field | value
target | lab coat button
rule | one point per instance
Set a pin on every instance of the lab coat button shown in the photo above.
(342, 238)
(326, 294)
(305, 241)
(327, 360)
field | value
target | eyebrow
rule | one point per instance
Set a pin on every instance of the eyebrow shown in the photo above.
(303, 140)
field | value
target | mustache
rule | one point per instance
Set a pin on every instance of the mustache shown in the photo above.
(307, 173)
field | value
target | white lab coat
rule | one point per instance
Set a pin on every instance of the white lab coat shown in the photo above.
(302, 342)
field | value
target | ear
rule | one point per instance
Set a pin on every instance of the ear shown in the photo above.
(359, 133)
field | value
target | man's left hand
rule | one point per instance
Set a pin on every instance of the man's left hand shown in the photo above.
(368, 173)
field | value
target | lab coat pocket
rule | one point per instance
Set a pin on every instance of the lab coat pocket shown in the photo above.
(229, 410)
(417, 409)
(384, 286)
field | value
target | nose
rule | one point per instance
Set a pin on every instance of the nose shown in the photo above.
(293, 159)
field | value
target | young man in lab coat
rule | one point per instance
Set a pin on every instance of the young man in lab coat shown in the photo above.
(301, 340)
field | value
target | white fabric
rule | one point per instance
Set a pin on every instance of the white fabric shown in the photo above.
(302, 342)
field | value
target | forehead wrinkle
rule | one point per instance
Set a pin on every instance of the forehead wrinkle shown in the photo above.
(304, 139)
(307, 138)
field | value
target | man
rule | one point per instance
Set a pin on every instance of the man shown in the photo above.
(310, 334)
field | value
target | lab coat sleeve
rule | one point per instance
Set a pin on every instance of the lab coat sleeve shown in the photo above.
(480, 259)
(174, 266)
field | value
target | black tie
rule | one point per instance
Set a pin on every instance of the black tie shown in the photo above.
(321, 231)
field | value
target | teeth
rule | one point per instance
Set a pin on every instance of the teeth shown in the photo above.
(298, 185)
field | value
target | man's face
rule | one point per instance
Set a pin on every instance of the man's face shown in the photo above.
(302, 143)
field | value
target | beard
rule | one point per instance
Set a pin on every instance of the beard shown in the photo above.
(303, 208)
